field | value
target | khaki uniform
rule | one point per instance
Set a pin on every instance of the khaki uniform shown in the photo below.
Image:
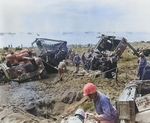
(61, 66)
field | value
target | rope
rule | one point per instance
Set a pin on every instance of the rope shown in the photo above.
(109, 70)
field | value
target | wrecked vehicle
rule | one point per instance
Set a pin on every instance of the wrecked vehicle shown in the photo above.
(51, 52)
(21, 65)
(133, 105)
(106, 53)
(146, 52)
(112, 45)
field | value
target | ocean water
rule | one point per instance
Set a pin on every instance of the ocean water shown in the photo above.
(26, 38)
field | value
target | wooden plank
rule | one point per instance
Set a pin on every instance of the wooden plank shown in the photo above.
(132, 111)
(143, 103)
(132, 95)
(124, 112)
(124, 95)
(128, 94)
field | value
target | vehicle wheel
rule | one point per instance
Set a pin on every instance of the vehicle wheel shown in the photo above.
(86, 67)
(43, 74)
(146, 54)
(3, 78)
(101, 68)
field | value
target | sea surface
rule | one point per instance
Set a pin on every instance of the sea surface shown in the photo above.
(26, 38)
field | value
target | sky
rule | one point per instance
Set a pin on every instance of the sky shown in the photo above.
(74, 15)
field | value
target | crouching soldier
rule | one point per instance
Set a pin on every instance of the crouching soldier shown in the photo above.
(106, 113)
(78, 117)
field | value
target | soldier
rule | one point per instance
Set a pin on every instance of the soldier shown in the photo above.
(90, 55)
(83, 58)
(93, 61)
(92, 50)
(77, 62)
(106, 113)
(142, 63)
(72, 55)
(61, 66)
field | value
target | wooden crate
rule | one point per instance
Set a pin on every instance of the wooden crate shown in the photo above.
(125, 104)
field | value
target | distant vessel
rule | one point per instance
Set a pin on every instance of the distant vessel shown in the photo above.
(67, 33)
(10, 33)
(29, 33)
(1, 34)
(88, 32)
(129, 32)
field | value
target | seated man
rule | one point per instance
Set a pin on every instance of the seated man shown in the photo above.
(90, 55)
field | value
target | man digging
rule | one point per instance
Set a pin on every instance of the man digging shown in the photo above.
(61, 67)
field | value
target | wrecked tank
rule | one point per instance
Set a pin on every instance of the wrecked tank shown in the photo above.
(105, 55)
(21, 65)
(51, 52)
